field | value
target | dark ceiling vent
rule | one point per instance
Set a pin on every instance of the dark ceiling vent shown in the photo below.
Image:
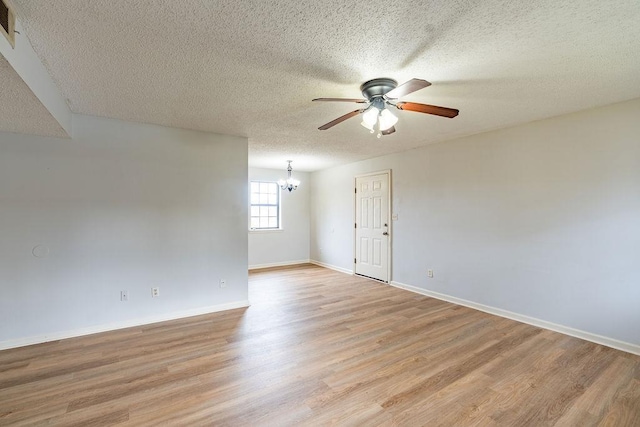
(7, 22)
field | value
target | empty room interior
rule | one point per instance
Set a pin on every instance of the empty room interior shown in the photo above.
(247, 213)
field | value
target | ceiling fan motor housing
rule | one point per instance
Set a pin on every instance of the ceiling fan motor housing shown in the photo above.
(377, 87)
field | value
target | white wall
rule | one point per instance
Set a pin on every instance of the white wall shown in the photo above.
(121, 206)
(541, 219)
(291, 244)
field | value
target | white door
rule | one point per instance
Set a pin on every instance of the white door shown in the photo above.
(372, 226)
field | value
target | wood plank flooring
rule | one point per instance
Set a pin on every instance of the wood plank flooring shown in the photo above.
(316, 348)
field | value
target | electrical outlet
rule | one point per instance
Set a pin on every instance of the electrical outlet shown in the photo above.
(155, 292)
(124, 295)
(430, 273)
(223, 283)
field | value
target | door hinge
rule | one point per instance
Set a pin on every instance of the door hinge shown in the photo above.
(355, 261)
(355, 225)
(355, 190)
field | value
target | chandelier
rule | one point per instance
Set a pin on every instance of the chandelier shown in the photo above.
(290, 183)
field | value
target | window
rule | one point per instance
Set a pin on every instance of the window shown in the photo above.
(265, 206)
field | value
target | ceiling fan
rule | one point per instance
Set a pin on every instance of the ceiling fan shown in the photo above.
(380, 94)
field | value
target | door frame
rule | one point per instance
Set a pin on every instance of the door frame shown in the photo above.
(355, 220)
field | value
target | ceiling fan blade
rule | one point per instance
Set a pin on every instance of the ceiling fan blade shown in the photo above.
(389, 131)
(407, 88)
(340, 119)
(359, 101)
(428, 109)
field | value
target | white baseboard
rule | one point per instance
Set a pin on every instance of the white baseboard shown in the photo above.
(21, 342)
(279, 264)
(331, 267)
(588, 336)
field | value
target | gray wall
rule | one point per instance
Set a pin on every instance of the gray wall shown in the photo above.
(541, 219)
(121, 206)
(291, 244)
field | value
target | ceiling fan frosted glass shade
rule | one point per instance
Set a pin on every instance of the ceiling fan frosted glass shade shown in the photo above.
(370, 117)
(387, 120)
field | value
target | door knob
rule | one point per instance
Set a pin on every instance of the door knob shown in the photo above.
(385, 234)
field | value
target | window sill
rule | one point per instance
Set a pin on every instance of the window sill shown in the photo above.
(275, 230)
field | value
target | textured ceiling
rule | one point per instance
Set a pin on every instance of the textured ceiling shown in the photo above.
(251, 68)
(21, 111)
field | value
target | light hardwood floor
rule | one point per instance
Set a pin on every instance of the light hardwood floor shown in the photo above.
(318, 347)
